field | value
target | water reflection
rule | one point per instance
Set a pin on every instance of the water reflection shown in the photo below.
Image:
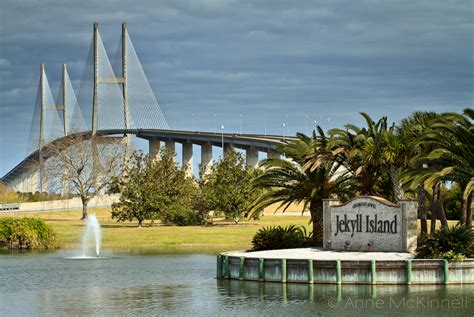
(164, 299)
(424, 300)
(185, 285)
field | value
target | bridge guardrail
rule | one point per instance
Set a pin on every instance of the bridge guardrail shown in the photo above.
(9, 207)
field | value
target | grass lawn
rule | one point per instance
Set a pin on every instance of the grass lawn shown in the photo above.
(222, 236)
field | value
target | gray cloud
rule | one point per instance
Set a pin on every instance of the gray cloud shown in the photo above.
(285, 60)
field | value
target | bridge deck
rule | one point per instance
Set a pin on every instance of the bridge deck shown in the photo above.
(243, 141)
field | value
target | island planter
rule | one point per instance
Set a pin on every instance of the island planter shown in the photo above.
(367, 240)
(285, 270)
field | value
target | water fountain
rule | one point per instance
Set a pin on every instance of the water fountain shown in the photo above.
(91, 232)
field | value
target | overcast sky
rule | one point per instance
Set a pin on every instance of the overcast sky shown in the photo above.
(286, 60)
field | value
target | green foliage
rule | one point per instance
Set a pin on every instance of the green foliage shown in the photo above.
(180, 215)
(277, 237)
(227, 189)
(448, 242)
(308, 175)
(372, 155)
(453, 198)
(155, 189)
(446, 147)
(8, 196)
(26, 233)
(44, 196)
(453, 256)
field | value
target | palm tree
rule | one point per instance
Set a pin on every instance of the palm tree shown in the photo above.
(287, 181)
(369, 153)
(411, 131)
(452, 141)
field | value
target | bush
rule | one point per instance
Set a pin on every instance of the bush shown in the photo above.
(153, 189)
(26, 233)
(181, 216)
(277, 237)
(227, 189)
(453, 243)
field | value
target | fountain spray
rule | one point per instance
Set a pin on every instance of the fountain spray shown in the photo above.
(92, 231)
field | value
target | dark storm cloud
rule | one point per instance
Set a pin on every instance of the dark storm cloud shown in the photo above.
(286, 60)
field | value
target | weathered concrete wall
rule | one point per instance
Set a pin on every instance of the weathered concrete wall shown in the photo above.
(408, 272)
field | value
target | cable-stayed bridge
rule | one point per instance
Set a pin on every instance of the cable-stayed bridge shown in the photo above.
(116, 99)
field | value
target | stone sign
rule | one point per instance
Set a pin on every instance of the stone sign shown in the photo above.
(370, 223)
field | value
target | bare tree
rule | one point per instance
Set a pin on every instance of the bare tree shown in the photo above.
(83, 166)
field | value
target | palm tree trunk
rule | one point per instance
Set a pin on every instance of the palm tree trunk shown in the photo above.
(397, 186)
(463, 212)
(422, 209)
(316, 210)
(437, 208)
(434, 210)
(440, 206)
(469, 209)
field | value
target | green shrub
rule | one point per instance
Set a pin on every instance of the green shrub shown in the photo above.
(26, 233)
(453, 243)
(277, 237)
(181, 216)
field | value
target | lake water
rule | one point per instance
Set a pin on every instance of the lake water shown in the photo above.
(185, 285)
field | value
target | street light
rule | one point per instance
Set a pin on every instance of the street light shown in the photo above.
(284, 126)
(222, 134)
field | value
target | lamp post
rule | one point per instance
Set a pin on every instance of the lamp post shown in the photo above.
(222, 135)
(284, 127)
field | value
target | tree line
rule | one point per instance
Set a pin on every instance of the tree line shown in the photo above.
(413, 159)
(157, 189)
(427, 156)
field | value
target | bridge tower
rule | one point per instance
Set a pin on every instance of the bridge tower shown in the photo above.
(122, 80)
(46, 103)
(41, 132)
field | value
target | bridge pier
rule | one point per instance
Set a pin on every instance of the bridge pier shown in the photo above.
(154, 149)
(187, 161)
(251, 157)
(206, 157)
(170, 145)
(272, 154)
(27, 182)
(227, 148)
(14, 185)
